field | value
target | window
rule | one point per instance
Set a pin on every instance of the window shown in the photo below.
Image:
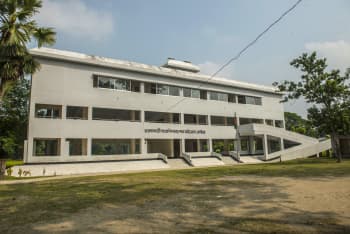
(115, 114)
(222, 121)
(77, 112)
(203, 94)
(77, 147)
(249, 100)
(258, 143)
(279, 124)
(269, 122)
(232, 98)
(162, 89)
(190, 119)
(46, 147)
(244, 144)
(243, 121)
(162, 117)
(218, 96)
(203, 119)
(48, 111)
(191, 145)
(193, 93)
(115, 146)
(116, 83)
(203, 145)
(217, 120)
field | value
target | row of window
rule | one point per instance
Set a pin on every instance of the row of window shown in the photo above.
(78, 112)
(155, 88)
(78, 146)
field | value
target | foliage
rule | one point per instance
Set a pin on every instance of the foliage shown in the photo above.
(328, 91)
(17, 30)
(11, 163)
(9, 171)
(14, 119)
(296, 123)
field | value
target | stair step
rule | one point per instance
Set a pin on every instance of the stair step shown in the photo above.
(199, 162)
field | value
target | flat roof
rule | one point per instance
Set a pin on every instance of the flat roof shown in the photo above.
(144, 68)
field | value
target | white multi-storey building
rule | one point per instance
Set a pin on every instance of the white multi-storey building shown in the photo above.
(88, 108)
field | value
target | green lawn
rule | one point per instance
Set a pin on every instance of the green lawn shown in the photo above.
(137, 196)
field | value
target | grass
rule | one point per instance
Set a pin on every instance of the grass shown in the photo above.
(11, 163)
(47, 201)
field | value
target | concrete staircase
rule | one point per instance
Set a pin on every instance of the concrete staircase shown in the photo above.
(228, 160)
(177, 163)
(207, 161)
(250, 159)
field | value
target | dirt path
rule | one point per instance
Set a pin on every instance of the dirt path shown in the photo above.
(225, 205)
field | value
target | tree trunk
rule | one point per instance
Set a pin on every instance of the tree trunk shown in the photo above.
(336, 147)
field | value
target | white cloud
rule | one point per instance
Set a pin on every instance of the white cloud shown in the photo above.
(209, 68)
(336, 52)
(76, 19)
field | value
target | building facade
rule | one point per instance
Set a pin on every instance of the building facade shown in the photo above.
(88, 108)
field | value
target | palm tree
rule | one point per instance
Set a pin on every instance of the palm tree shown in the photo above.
(17, 29)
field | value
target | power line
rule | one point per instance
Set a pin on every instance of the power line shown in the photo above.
(245, 48)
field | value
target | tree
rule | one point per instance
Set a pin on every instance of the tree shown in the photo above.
(17, 30)
(14, 119)
(296, 123)
(328, 91)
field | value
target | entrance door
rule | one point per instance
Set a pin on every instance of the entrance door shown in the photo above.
(176, 148)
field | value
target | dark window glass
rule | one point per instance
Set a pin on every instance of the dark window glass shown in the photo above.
(115, 146)
(104, 82)
(217, 120)
(115, 114)
(232, 98)
(230, 121)
(191, 145)
(46, 147)
(203, 94)
(190, 119)
(77, 112)
(174, 91)
(48, 111)
(269, 122)
(135, 86)
(77, 146)
(162, 117)
(241, 99)
(203, 119)
(279, 123)
(162, 89)
(187, 92)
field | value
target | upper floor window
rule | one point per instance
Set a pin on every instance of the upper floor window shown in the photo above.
(193, 93)
(249, 100)
(116, 83)
(77, 112)
(162, 89)
(243, 121)
(218, 96)
(48, 111)
(195, 119)
(222, 121)
(162, 117)
(279, 124)
(115, 114)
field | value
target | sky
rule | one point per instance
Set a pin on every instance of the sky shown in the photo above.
(207, 33)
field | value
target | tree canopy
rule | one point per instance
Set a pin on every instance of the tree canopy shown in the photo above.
(327, 90)
(17, 30)
(296, 123)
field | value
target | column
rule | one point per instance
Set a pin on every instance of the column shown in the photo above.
(281, 144)
(142, 87)
(143, 146)
(183, 149)
(89, 146)
(132, 146)
(266, 151)
(198, 145)
(251, 145)
(210, 145)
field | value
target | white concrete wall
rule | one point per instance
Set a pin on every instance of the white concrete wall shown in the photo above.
(67, 83)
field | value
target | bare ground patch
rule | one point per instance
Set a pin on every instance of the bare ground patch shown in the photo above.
(248, 204)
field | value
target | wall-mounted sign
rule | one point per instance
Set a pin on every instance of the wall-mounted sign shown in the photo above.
(186, 131)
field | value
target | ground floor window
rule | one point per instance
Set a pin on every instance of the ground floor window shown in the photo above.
(46, 147)
(245, 144)
(223, 146)
(77, 146)
(115, 146)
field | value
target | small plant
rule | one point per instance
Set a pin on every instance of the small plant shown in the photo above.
(27, 173)
(20, 172)
(9, 171)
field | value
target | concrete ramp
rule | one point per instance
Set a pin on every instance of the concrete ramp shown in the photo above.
(89, 168)
(250, 159)
(209, 161)
(177, 163)
(228, 160)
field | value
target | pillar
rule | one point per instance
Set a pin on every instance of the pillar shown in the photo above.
(144, 146)
(281, 144)
(142, 87)
(89, 146)
(183, 149)
(251, 145)
(265, 143)
(210, 145)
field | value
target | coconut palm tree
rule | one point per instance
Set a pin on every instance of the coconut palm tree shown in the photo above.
(17, 30)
